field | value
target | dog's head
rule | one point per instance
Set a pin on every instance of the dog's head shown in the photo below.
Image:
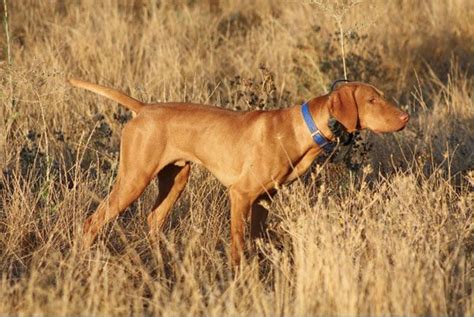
(360, 106)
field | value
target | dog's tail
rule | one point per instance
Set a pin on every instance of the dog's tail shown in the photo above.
(129, 102)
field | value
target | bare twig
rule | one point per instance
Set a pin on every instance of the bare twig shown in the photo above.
(9, 52)
(7, 31)
(341, 41)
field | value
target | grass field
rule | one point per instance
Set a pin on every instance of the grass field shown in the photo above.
(393, 235)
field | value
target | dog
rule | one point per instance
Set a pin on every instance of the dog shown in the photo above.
(249, 152)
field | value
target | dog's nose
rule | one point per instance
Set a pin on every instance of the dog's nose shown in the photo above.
(404, 117)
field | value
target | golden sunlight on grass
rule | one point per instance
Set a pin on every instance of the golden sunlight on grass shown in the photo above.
(387, 232)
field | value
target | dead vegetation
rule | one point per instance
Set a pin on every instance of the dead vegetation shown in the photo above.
(393, 235)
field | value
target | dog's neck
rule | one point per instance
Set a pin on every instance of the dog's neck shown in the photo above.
(319, 109)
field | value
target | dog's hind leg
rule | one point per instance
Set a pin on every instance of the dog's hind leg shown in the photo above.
(125, 191)
(137, 168)
(171, 182)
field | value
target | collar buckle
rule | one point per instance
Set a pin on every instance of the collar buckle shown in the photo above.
(322, 141)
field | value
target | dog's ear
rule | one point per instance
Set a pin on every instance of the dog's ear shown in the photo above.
(343, 107)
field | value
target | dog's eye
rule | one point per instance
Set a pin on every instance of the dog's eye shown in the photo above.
(372, 100)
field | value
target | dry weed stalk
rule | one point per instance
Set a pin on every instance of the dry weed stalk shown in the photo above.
(338, 10)
(7, 31)
(9, 57)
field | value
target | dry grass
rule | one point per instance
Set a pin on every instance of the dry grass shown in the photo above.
(394, 236)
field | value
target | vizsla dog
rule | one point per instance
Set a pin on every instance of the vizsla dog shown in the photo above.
(249, 152)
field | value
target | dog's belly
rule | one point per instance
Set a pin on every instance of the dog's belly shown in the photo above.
(224, 174)
(233, 168)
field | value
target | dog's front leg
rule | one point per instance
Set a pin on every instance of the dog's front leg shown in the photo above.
(259, 215)
(240, 208)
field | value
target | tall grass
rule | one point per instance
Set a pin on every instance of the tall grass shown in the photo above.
(392, 236)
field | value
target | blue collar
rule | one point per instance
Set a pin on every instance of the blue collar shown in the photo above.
(317, 135)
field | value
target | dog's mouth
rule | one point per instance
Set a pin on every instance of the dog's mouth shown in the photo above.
(403, 127)
(397, 130)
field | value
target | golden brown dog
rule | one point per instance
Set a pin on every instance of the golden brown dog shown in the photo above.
(249, 152)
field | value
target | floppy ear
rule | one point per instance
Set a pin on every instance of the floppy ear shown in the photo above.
(343, 107)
